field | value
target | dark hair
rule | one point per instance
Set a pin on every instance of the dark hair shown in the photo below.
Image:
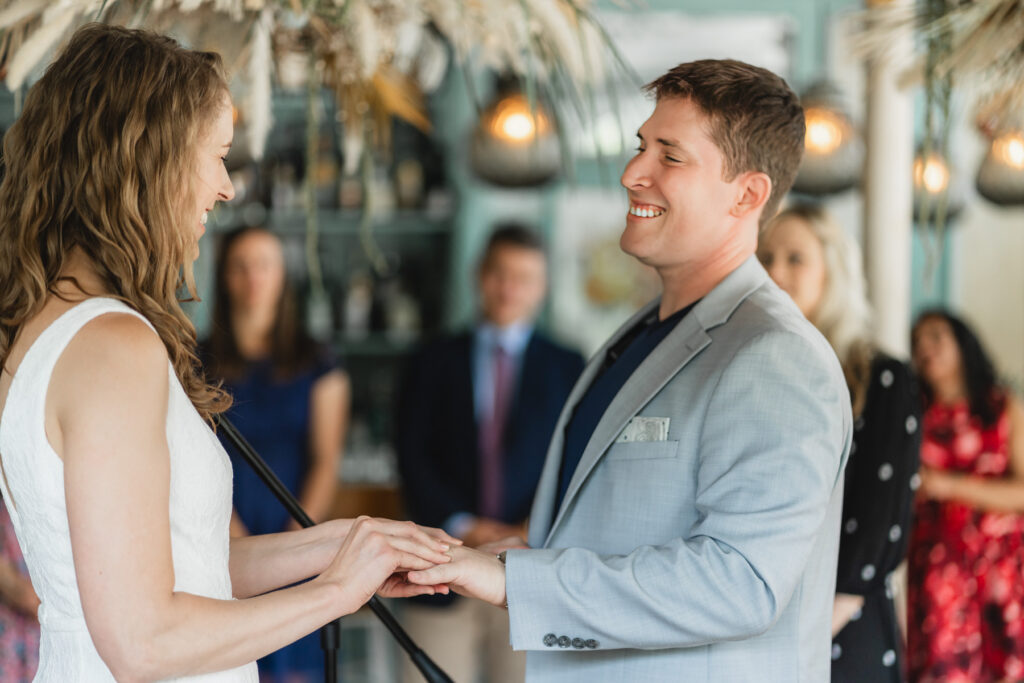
(755, 119)
(512, 235)
(291, 348)
(985, 398)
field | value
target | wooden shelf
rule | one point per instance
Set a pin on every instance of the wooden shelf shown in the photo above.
(375, 344)
(403, 222)
(353, 500)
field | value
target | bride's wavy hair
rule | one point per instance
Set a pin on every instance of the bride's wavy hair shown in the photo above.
(96, 161)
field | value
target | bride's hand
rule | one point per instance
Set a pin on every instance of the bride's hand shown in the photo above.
(374, 551)
(343, 526)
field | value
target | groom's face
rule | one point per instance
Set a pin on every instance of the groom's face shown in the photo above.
(679, 203)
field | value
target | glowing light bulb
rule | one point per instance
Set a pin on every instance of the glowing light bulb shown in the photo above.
(514, 122)
(517, 126)
(931, 174)
(824, 132)
(1009, 149)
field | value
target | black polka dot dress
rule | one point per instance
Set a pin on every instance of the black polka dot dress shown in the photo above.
(881, 478)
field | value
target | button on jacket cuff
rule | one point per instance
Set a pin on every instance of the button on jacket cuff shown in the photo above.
(537, 619)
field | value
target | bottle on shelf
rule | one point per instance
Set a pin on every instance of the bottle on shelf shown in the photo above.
(358, 305)
(325, 172)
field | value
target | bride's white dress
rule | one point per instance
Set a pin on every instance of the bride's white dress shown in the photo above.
(200, 506)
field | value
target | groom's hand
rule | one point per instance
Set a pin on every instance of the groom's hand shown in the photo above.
(509, 543)
(398, 586)
(471, 572)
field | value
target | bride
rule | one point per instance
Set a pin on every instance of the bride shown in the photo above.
(118, 488)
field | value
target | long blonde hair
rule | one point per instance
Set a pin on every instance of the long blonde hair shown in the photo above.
(843, 314)
(96, 161)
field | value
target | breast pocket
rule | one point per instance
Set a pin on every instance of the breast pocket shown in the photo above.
(643, 450)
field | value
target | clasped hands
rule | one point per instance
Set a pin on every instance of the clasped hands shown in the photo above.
(402, 559)
(473, 572)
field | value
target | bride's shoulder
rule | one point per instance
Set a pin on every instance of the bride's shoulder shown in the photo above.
(114, 349)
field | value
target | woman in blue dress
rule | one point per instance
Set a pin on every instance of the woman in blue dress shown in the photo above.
(291, 403)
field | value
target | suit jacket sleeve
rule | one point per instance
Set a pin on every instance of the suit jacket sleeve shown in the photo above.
(770, 452)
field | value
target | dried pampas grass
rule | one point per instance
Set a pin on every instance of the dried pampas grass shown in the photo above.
(56, 22)
(378, 55)
(260, 105)
(982, 42)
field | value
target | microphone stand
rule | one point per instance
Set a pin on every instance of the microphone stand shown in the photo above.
(330, 634)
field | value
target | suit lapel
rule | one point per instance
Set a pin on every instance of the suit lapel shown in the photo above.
(547, 487)
(674, 352)
(681, 345)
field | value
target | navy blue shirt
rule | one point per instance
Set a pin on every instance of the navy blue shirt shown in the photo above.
(620, 362)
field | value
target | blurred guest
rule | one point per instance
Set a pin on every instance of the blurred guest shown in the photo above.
(966, 572)
(291, 403)
(476, 413)
(807, 254)
(19, 624)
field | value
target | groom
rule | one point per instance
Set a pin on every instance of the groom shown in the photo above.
(686, 523)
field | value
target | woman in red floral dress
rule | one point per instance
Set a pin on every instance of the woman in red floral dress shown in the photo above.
(966, 564)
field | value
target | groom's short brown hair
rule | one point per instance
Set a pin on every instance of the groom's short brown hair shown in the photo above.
(755, 119)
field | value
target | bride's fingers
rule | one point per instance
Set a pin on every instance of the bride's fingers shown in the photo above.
(417, 533)
(425, 556)
(404, 536)
(410, 561)
(401, 589)
(398, 586)
(441, 535)
(432, 576)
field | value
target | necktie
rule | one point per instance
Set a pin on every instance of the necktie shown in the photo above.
(492, 433)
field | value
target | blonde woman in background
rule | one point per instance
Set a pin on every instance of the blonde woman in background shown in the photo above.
(119, 491)
(807, 254)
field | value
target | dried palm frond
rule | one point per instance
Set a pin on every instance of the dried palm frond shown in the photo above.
(54, 24)
(366, 49)
(981, 41)
(17, 11)
(260, 60)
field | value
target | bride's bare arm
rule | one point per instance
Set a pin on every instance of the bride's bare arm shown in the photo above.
(269, 561)
(106, 417)
(263, 563)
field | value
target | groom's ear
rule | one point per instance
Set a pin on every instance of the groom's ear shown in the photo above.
(753, 190)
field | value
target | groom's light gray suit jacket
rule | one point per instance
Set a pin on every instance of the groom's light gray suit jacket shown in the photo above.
(710, 555)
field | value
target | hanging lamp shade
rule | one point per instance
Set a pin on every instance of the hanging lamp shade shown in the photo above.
(935, 186)
(833, 150)
(1001, 174)
(515, 144)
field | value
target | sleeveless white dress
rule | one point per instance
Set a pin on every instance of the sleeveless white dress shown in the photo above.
(200, 506)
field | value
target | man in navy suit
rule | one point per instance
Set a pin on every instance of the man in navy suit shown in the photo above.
(476, 413)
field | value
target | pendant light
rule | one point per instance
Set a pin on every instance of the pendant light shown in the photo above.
(515, 144)
(934, 186)
(833, 150)
(1001, 174)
